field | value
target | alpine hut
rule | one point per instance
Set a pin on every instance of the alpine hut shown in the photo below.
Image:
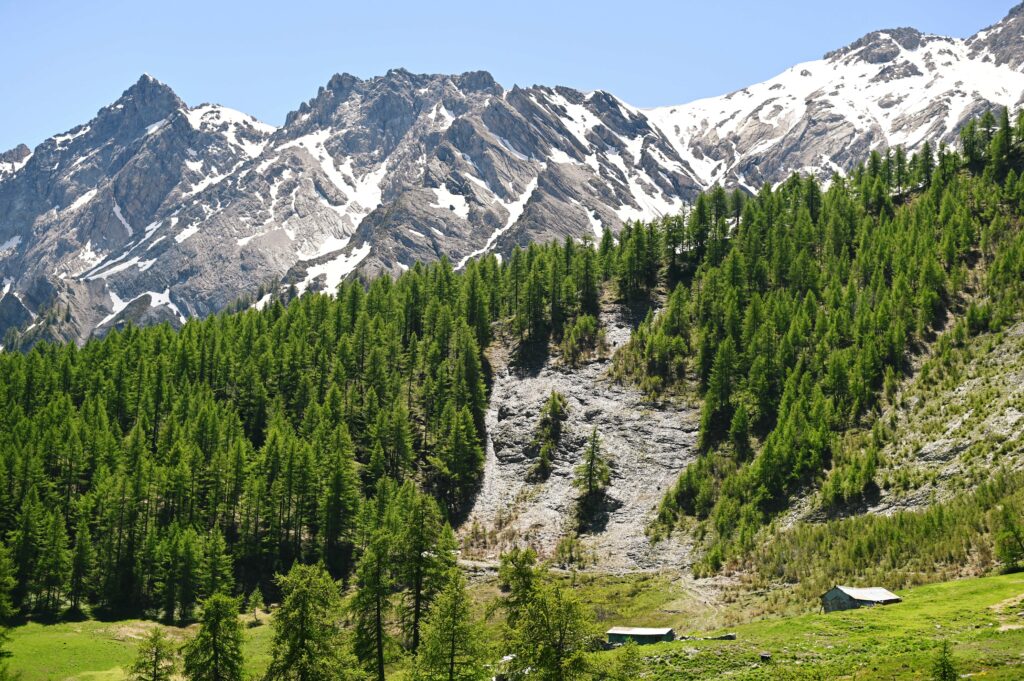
(640, 635)
(848, 598)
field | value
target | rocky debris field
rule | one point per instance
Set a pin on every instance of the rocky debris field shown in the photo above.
(646, 444)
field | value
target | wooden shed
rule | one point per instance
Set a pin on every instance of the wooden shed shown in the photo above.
(848, 598)
(640, 635)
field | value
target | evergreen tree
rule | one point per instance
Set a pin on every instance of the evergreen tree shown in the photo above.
(254, 604)
(371, 604)
(425, 552)
(518, 577)
(451, 648)
(592, 476)
(943, 668)
(156, 658)
(308, 643)
(83, 562)
(7, 584)
(552, 635)
(215, 654)
(54, 563)
(1010, 539)
(215, 572)
(27, 545)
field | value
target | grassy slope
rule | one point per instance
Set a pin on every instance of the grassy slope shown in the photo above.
(980, 617)
(102, 651)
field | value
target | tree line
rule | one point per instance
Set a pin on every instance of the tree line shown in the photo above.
(790, 312)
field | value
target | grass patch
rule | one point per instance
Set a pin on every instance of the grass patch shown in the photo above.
(980, 618)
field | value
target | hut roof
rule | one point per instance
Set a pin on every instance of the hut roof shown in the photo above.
(874, 594)
(639, 631)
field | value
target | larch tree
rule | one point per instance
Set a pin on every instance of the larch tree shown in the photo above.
(452, 648)
(215, 653)
(156, 659)
(308, 643)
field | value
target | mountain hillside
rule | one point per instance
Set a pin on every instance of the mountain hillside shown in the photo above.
(155, 211)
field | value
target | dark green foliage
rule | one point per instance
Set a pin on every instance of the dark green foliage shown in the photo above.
(943, 668)
(549, 433)
(899, 550)
(171, 465)
(215, 654)
(407, 552)
(591, 479)
(792, 311)
(452, 648)
(548, 629)
(1010, 536)
(154, 468)
(518, 576)
(308, 643)
(254, 604)
(552, 634)
(156, 659)
(584, 335)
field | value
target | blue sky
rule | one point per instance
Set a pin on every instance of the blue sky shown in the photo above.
(60, 61)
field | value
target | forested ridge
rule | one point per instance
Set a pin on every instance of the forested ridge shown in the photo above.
(792, 313)
(153, 469)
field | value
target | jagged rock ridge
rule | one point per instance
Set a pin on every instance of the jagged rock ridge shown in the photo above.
(157, 211)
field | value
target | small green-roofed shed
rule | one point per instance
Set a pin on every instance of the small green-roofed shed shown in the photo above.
(640, 635)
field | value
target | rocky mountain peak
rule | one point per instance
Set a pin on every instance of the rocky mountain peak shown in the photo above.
(1001, 43)
(15, 155)
(13, 159)
(880, 47)
(148, 93)
(478, 81)
(156, 206)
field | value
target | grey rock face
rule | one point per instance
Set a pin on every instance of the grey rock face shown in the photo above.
(1003, 43)
(12, 160)
(195, 208)
(647, 445)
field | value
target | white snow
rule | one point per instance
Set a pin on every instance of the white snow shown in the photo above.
(446, 200)
(559, 156)
(10, 244)
(363, 192)
(61, 140)
(150, 129)
(185, 233)
(510, 148)
(7, 286)
(441, 117)
(120, 217)
(9, 168)
(81, 201)
(210, 180)
(335, 270)
(262, 302)
(117, 305)
(112, 270)
(842, 86)
(213, 118)
(515, 210)
(595, 224)
(89, 256)
(155, 300)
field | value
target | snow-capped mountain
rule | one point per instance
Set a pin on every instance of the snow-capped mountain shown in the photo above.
(156, 211)
(891, 88)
